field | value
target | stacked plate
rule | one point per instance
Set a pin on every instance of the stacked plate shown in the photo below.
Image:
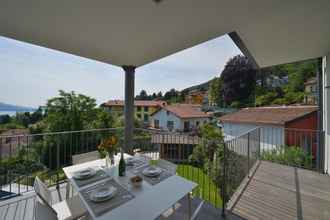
(152, 171)
(103, 194)
(84, 174)
(130, 161)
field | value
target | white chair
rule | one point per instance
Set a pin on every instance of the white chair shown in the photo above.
(85, 157)
(43, 211)
(65, 210)
(78, 159)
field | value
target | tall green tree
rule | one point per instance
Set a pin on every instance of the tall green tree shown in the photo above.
(103, 119)
(70, 111)
(215, 92)
(239, 78)
(143, 95)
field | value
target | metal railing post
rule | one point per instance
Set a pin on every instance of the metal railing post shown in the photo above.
(224, 180)
(57, 165)
(248, 153)
(259, 143)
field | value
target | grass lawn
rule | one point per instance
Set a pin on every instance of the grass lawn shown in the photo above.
(206, 189)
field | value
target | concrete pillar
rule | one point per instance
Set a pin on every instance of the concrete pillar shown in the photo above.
(326, 111)
(129, 107)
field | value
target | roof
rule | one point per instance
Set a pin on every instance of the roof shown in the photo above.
(269, 115)
(185, 111)
(136, 103)
(140, 32)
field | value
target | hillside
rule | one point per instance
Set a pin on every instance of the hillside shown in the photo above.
(200, 87)
(9, 107)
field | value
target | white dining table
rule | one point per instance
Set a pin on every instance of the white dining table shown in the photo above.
(150, 201)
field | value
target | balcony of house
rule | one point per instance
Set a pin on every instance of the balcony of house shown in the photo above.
(242, 181)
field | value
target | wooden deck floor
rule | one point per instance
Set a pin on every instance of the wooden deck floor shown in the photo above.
(282, 192)
(22, 207)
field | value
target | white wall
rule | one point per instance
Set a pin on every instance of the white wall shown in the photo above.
(270, 136)
(326, 111)
(163, 117)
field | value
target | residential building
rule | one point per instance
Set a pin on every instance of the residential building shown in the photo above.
(176, 147)
(285, 125)
(311, 89)
(179, 117)
(142, 108)
(196, 97)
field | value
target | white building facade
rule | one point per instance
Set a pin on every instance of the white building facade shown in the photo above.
(270, 136)
(168, 121)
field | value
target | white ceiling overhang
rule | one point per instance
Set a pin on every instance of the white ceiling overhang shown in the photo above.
(131, 32)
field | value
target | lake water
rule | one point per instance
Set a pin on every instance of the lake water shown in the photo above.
(10, 113)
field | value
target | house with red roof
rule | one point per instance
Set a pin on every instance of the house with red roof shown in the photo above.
(179, 117)
(281, 125)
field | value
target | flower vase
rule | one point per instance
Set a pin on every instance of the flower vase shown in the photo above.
(109, 160)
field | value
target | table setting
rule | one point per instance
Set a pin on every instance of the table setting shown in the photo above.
(104, 192)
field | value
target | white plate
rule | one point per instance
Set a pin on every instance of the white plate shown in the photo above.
(84, 174)
(152, 171)
(103, 194)
(130, 161)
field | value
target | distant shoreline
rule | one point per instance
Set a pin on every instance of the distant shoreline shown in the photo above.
(13, 113)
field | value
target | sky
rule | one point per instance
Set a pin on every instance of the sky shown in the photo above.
(30, 75)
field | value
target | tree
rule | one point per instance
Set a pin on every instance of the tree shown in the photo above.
(286, 94)
(142, 96)
(36, 116)
(215, 92)
(70, 112)
(4, 119)
(211, 142)
(238, 80)
(23, 119)
(159, 95)
(172, 96)
(154, 96)
(103, 119)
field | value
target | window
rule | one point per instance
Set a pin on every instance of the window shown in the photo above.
(139, 108)
(138, 115)
(146, 117)
(186, 126)
(167, 112)
(156, 123)
(197, 123)
(146, 108)
(170, 125)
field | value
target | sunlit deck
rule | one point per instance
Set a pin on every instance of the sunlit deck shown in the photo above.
(282, 192)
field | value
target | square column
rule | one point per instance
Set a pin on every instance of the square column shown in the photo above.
(129, 107)
(326, 111)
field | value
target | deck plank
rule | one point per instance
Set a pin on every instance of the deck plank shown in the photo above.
(283, 192)
(3, 211)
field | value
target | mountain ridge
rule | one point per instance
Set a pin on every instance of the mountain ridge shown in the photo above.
(10, 107)
(200, 87)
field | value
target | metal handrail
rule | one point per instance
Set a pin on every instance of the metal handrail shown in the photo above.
(60, 132)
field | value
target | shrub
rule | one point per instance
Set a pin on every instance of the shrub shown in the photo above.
(290, 155)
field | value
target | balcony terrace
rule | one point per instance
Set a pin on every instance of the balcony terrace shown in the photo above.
(252, 188)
